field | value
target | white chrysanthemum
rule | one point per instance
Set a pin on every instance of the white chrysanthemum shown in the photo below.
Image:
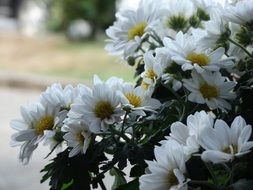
(241, 13)
(151, 71)
(63, 97)
(211, 89)
(187, 135)
(78, 137)
(185, 51)
(114, 82)
(37, 123)
(137, 99)
(223, 143)
(214, 30)
(131, 28)
(169, 69)
(167, 171)
(175, 17)
(99, 108)
(205, 5)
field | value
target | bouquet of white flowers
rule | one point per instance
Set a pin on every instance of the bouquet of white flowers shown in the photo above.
(186, 124)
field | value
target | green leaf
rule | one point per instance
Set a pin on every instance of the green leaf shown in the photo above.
(119, 178)
(132, 185)
(66, 186)
(243, 184)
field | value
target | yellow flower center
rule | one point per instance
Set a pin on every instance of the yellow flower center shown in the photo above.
(103, 109)
(232, 149)
(133, 99)
(150, 74)
(144, 85)
(209, 91)
(45, 123)
(200, 59)
(137, 30)
(172, 179)
(80, 138)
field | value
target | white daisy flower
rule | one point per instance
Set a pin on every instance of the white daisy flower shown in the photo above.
(240, 13)
(167, 171)
(99, 108)
(151, 71)
(175, 18)
(131, 28)
(78, 137)
(187, 135)
(205, 5)
(169, 70)
(211, 89)
(63, 97)
(138, 100)
(215, 31)
(38, 123)
(223, 143)
(185, 52)
(114, 82)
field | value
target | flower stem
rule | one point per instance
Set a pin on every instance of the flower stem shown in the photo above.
(210, 169)
(206, 184)
(240, 46)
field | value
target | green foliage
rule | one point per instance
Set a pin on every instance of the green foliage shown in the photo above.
(73, 173)
(119, 178)
(99, 13)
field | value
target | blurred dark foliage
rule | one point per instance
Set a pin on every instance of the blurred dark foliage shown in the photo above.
(100, 14)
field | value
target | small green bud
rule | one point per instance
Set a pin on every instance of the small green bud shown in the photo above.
(131, 60)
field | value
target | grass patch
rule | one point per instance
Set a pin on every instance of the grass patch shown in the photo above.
(55, 56)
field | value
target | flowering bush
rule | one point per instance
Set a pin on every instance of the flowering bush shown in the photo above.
(186, 124)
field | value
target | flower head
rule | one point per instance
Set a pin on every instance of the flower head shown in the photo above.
(78, 137)
(223, 143)
(167, 171)
(131, 28)
(211, 89)
(38, 123)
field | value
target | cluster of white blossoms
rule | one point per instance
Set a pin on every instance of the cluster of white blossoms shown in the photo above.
(191, 56)
(74, 114)
(175, 38)
(220, 143)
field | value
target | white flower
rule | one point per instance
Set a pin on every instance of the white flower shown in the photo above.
(114, 82)
(169, 70)
(167, 171)
(241, 13)
(214, 31)
(223, 143)
(99, 108)
(138, 99)
(185, 51)
(151, 71)
(175, 17)
(131, 28)
(38, 123)
(211, 89)
(58, 96)
(187, 135)
(78, 137)
(205, 5)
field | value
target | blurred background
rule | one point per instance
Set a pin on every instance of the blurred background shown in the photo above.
(42, 42)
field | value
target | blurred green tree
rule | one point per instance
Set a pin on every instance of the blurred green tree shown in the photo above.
(99, 13)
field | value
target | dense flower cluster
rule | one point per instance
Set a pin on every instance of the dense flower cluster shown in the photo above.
(186, 124)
